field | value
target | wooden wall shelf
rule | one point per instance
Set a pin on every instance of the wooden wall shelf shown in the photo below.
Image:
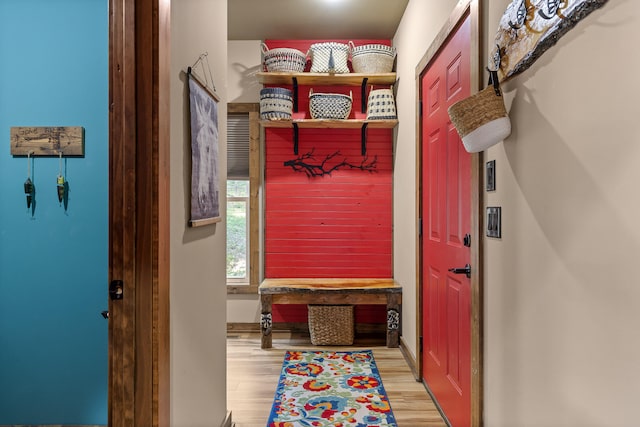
(310, 79)
(324, 79)
(329, 124)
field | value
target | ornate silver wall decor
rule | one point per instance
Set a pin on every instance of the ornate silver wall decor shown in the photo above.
(393, 319)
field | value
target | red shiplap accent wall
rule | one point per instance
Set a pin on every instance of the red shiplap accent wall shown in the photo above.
(337, 225)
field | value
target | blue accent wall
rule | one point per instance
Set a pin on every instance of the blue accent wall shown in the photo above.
(54, 263)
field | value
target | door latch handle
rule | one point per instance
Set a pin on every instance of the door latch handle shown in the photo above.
(466, 271)
(116, 289)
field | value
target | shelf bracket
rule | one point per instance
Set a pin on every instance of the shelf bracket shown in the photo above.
(363, 93)
(363, 134)
(295, 139)
(295, 94)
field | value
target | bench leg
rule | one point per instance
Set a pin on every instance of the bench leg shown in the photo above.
(393, 320)
(266, 321)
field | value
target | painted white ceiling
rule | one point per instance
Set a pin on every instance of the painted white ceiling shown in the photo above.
(313, 19)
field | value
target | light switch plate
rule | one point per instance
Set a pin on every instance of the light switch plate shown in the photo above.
(494, 221)
(490, 176)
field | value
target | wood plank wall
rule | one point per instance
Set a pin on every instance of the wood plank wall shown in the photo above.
(337, 225)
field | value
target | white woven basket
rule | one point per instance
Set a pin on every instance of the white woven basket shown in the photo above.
(330, 57)
(381, 105)
(276, 103)
(481, 119)
(330, 106)
(283, 59)
(372, 58)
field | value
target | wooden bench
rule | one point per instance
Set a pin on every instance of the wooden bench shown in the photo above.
(329, 292)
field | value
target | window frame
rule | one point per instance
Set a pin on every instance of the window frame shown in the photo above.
(244, 281)
(253, 244)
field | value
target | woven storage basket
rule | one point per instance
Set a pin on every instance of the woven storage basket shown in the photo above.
(329, 57)
(381, 105)
(330, 105)
(372, 58)
(331, 324)
(276, 103)
(283, 59)
(481, 119)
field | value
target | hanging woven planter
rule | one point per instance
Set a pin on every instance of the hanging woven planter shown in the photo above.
(481, 119)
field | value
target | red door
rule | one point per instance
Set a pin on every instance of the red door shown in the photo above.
(446, 199)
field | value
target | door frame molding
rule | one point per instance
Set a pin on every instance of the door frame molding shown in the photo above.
(139, 118)
(471, 8)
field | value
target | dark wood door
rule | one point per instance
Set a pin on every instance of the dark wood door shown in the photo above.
(139, 212)
(446, 213)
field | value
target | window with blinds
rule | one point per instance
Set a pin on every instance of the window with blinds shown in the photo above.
(238, 146)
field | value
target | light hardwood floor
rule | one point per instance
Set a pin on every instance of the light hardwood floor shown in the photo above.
(252, 377)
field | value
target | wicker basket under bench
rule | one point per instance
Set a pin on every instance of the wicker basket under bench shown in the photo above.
(331, 292)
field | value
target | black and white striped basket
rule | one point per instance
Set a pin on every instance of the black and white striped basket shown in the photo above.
(381, 105)
(276, 103)
(283, 59)
(372, 58)
(329, 57)
(331, 106)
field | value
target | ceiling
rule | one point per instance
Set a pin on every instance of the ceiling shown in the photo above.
(313, 19)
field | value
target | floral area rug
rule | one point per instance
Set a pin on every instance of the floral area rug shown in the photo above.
(330, 388)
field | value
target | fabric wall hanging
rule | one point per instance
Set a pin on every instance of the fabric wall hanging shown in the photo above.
(203, 111)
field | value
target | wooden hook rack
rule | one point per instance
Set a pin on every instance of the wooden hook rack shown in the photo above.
(47, 141)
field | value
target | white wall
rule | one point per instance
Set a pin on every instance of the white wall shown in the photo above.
(198, 288)
(244, 60)
(421, 22)
(561, 309)
(560, 291)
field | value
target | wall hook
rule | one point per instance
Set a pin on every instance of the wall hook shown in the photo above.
(60, 181)
(28, 184)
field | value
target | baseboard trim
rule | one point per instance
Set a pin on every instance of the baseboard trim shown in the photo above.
(227, 421)
(409, 358)
(300, 327)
